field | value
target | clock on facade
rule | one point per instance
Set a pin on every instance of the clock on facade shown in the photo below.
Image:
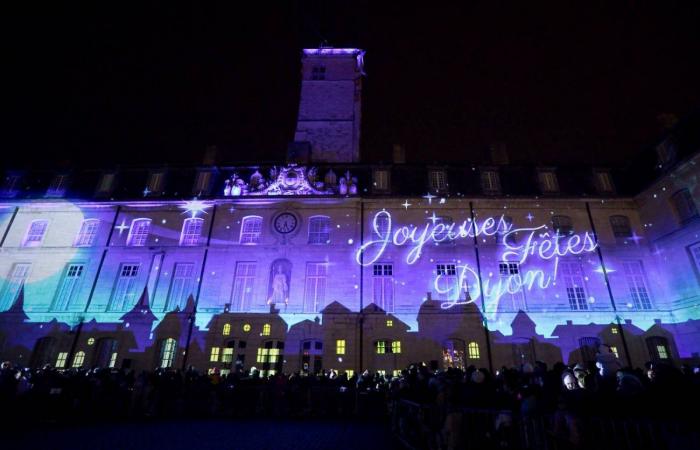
(285, 223)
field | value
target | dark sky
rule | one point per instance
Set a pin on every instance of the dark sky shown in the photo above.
(557, 83)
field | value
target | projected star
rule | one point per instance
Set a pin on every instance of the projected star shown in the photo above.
(123, 227)
(195, 207)
(529, 217)
(429, 197)
(406, 204)
(433, 218)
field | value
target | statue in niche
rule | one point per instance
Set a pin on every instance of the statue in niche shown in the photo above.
(279, 282)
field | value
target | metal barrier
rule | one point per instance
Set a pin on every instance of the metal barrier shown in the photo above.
(420, 426)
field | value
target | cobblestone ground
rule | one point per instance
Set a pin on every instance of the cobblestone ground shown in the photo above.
(211, 434)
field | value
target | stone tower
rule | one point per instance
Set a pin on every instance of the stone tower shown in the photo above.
(329, 107)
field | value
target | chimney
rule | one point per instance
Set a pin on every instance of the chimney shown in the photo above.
(399, 156)
(428, 295)
(499, 153)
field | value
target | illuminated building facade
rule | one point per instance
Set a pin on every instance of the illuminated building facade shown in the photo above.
(326, 263)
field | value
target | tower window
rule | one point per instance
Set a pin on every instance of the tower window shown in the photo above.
(548, 181)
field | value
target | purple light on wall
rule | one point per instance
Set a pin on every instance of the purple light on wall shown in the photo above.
(331, 51)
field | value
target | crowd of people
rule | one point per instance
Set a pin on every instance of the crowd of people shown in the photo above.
(601, 389)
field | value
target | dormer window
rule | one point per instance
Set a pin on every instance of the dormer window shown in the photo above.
(106, 184)
(666, 153)
(57, 188)
(318, 73)
(10, 186)
(437, 180)
(548, 181)
(490, 181)
(684, 205)
(202, 184)
(155, 183)
(603, 182)
(380, 180)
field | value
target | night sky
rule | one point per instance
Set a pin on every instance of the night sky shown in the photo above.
(593, 83)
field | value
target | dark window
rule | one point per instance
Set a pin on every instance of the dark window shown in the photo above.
(563, 225)
(621, 226)
(685, 205)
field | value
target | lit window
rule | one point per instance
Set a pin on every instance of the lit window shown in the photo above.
(79, 359)
(380, 180)
(69, 287)
(181, 285)
(191, 231)
(57, 188)
(91, 341)
(662, 352)
(572, 275)
(621, 226)
(490, 182)
(319, 230)
(395, 346)
(168, 348)
(266, 329)
(548, 181)
(383, 286)
(61, 360)
(227, 355)
(214, 356)
(473, 349)
(563, 225)
(634, 272)
(438, 180)
(243, 282)
(340, 346)
(684, 205)
(35, 233)
(113, 360)
(613, 330)
(314, 295)
(349, 373)
(227, 329)
(251, 228)
(88, 233)
(125, 289)
(381, 347)
(17, 277)
(389, 323)
(138, 232)
(246, 327)
(613, 349)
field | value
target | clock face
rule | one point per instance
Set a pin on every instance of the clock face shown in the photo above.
(285, 223)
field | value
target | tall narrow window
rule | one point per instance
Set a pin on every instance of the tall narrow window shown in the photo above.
(395, 346)
(57, 188)
(621, 226)
(490, 182)
(69, 287)
(437, 180)
(684, 205)
(604, 182)
(251, 228)
(180, 286)
(168, 348)
(79, 359)
(125, 289)
(61, 360)
(226, 330)
(634, 272)
(106, 184)
(88, 233)
(17, 277)
(266, 329)
(315, 292)
(548, 182)
(381, 347)
(446, 281)
(35, 233)
(380, 180)
(572, 275)
(202, 184)
(563, 225)
(155, 183)
(138, 233)
(383, 286)
(214, 355)
(319, 230)
(473, 349)
(191, 231)
(340, 346)
(243, 283)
